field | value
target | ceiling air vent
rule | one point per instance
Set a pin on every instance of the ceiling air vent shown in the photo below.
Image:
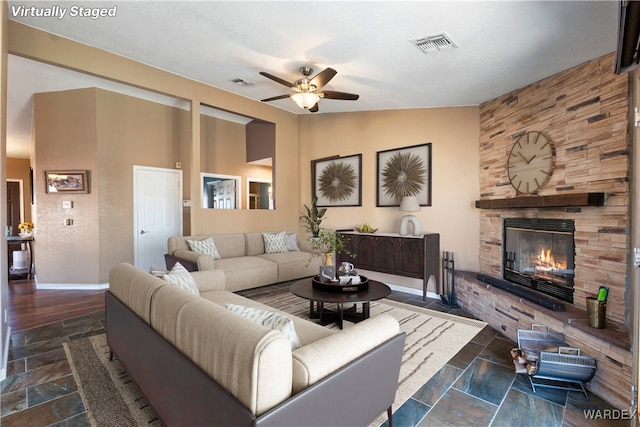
(434, 43)
(242, 82)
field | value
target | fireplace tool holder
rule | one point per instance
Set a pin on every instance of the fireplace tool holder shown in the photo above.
(448, 296)
(559, 367)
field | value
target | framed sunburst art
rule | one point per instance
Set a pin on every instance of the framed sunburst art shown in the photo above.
(337, 181)
(403, 172)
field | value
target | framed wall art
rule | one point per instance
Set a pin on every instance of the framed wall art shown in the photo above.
(403, 172)
(337, 181)
(69, 181)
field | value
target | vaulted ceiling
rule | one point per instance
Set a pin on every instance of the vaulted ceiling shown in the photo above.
(500, 46)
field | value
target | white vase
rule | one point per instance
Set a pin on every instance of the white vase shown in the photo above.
(24, 233)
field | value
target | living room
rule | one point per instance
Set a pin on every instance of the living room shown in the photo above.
(459, 173)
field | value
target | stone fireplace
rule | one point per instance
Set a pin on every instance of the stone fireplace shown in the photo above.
(585, 112)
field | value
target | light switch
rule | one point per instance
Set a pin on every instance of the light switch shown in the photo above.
(67, 204)
(68, 221)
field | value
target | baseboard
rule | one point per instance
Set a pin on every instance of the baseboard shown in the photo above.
(73, 286)
(401, 284)
(5, 355)
(412, 291)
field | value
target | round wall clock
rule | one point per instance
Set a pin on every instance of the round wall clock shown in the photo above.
(531, 162)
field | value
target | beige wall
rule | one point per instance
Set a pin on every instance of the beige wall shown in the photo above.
(131, 132)
(223, 150)
(107, 134)
(19, 169)
(287, 183)
(65, 138)
(454, 134)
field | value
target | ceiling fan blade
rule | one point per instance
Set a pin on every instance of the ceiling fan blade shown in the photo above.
(314, 109)
(332, 94)
(276, 98)
(277, 79)
(323, 77)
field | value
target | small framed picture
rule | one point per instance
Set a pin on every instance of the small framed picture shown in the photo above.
(70, 181)
(327, 273)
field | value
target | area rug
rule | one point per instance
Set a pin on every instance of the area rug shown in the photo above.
(113, 399)
(432, 339)
(110, 396)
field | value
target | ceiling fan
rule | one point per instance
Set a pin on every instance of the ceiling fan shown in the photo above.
(306, 92)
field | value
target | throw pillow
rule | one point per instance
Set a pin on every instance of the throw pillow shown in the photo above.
(276, 321)
(204, 247)
(181, 277)
(291, 242)
(274, 243)
(158, 271)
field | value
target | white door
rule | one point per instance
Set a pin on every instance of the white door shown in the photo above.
(157, 213)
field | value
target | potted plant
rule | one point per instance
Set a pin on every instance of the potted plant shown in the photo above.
(327, 243)
(26, 229)
(312, 217)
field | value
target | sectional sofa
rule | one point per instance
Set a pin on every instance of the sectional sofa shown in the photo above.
(200, 364)
(243, 261)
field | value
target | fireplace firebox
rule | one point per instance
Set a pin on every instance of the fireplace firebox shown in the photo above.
(539, 254)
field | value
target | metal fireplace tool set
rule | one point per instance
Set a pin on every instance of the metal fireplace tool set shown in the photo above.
(448, 296)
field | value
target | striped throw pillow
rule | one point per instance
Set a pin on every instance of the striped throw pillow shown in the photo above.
(291, 242)
(274, 243)
(275, 321)
(204, 247)
(180, 277)
(158, 271)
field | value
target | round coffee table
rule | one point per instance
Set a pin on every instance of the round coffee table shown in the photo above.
(317, 299)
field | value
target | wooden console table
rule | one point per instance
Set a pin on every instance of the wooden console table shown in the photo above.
(410, 256)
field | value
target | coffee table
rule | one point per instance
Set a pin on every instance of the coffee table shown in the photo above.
(317, 299)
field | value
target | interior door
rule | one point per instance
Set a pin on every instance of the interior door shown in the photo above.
(14, 206)
(157, 213)
(226, 194)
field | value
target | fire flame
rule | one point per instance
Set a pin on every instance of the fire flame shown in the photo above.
(546, 261)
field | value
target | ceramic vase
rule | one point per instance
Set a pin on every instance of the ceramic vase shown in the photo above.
(328, 258)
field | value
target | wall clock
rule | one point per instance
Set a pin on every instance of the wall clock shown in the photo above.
(531, 162)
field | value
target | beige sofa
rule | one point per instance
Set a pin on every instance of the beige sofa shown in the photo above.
(198, 363)
(243, 263)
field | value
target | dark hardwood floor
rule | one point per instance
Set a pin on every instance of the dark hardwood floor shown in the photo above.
(30, 309)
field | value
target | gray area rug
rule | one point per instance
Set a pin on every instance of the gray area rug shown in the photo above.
(109, 394)
(113, 399)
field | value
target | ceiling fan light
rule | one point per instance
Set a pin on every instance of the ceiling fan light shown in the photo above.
(305, 100)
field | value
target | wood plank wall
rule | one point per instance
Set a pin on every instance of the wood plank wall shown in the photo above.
(585, 111)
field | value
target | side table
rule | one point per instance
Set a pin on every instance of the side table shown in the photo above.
(19, 240)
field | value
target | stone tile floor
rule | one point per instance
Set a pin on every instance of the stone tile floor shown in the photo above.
(40, 389)
(477, 387)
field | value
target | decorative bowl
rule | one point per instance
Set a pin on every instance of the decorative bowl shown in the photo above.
(360, 230)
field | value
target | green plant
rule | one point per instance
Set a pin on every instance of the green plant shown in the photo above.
(329, 241)
(312, 217)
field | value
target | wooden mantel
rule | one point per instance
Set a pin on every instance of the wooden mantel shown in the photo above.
(553, 201)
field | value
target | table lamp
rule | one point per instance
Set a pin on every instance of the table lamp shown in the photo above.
(409, 204)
